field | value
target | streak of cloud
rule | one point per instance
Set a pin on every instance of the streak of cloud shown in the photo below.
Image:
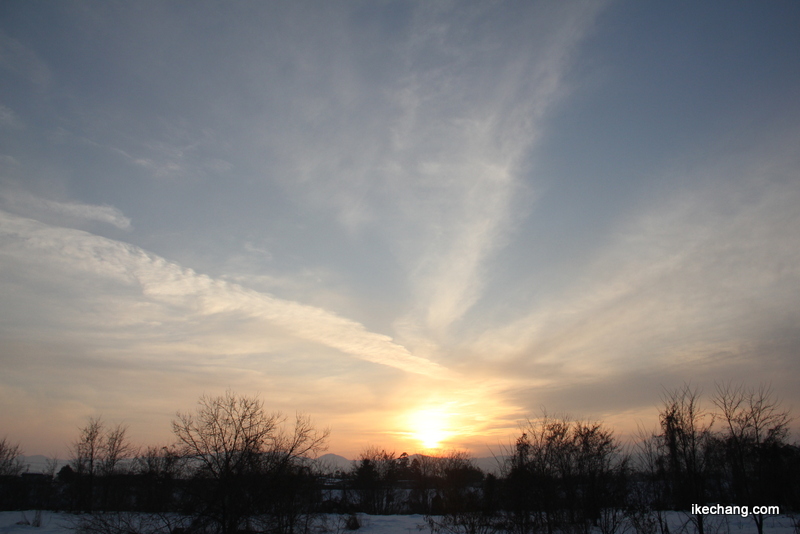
(477, 156)
(78, 210)
(201, 296)
(703, 279)
(436, 160)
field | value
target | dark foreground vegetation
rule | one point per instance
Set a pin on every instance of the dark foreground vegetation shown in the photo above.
(236, 468)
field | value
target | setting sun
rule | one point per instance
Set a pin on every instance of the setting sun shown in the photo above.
(429, 427)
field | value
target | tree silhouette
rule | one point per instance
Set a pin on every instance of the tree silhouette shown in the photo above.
(686, 440)
(11, 463)
(96, 457)
(754, 436)
(242, 461)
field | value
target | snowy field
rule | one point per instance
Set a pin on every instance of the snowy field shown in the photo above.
(61, 523)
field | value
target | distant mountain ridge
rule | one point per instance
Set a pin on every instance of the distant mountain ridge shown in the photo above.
(333, 462)
(38, 463)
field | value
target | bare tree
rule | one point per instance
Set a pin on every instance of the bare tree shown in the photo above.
(225, 439)
(289, 473)
(128, 523)
(226, 435)
(10, 458)
(305, 441)
(375, 481)
(115, 447)
(160, 462)
(158, 468)
(85, 457)
(96, 455)
(563, 474)
(86, 449)
(459, 482)
(463, 508)
(423, 471)
(756, 428)
(238, 452)
(51, 466)
(648, 499)
(598, 476)
(685, 439)
(752, 415)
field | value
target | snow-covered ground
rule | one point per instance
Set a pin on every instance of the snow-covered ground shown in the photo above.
(51, 523)
(60, 523)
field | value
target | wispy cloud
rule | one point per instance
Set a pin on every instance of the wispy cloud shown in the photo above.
(467, 165)
(433, 154)
(704, 278)
(77, 210)
(200, 297)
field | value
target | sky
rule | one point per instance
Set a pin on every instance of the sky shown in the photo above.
(417, 222)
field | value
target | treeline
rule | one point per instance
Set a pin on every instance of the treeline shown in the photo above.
(234, 467)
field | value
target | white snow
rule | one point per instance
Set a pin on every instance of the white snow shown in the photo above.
(23, 523)
(60, 523)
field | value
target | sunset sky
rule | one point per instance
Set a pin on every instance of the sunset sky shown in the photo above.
(417, 222)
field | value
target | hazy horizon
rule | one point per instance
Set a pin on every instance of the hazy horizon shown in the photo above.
(417, 222)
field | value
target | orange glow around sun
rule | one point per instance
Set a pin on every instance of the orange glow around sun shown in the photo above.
(430, 427)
